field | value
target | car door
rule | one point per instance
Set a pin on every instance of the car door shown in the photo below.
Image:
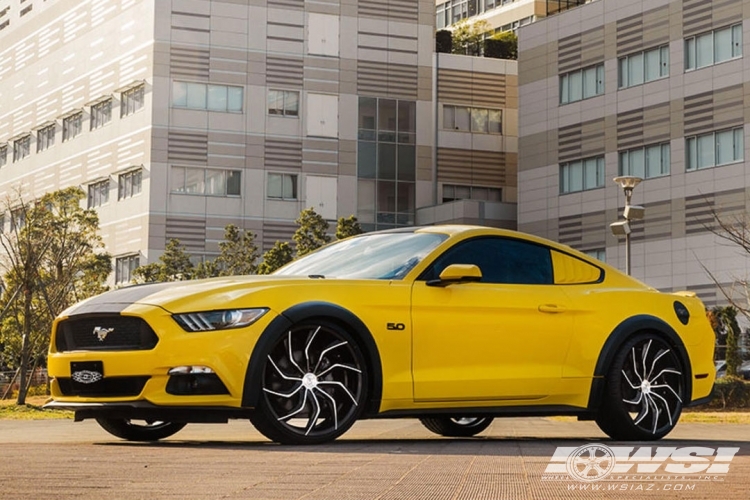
(505, 337)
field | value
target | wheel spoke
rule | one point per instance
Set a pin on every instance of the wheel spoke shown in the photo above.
(307, 347)
(298, 410)
(644, 411)
(285, 377)
(640, 398)
(667, 386)
(656, 411)
(339, 384)
(314, 418)
(333, 406)
(326, 351)
(644, 355)
(284, 395)
(635, 366)
(338, 365)
(666, 406)
(653, 363)
(632, 385)
(291, 356)
(666, 370)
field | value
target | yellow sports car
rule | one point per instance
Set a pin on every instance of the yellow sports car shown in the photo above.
(454, 325)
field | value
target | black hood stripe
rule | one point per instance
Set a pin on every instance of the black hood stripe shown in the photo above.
(118, 300)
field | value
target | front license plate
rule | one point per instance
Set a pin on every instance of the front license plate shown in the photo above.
(87, 374)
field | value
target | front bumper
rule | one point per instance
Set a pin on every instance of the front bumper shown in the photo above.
(143, 410)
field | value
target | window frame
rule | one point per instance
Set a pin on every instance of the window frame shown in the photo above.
(132, 100)
(624, 62)
(101, 114)
(120, 262)
(126, 184)
(693, 153)
(294, 185)
(228, 173)
(3, 155)
(21, 148)
(625, 155)
(690, 46)
(72, 119)
(564, 87)
(283, 112)
(45, 137)
(452, 110)
(206, 87)
(564, 176)
(97, 193)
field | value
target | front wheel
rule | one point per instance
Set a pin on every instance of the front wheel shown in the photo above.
(139, 430)
(457, 426)
(314, 385)
(644, 391)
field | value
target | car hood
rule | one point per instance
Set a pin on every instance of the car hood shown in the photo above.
(182, 296)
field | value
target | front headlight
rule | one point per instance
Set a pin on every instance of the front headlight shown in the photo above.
(219, 320)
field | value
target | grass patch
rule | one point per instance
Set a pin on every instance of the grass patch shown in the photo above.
(32, 410)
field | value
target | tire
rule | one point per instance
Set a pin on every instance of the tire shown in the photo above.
(313, 387)
(644, 390)
(457, 426)
(130, 430)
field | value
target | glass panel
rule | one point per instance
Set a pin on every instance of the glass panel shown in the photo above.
(366, 156)
(575, 176)
(739, 144)
(387, 120)
(386, 196)
(407, 158)
(690, 53)
(449, 117)
(196, 95)
(704, 50)
(462, 119)
(653, 65)
(706, 153)
(564, 179)
(233, 182)
(737, 40)
(178, 179)
(179, 94)
(600, 171)
(664, 61)
(194, 180)
(217, 97)
(366, 199)
(234, 99)
(463, 192)
(589, 82)
(291, 103)
(691, 150)
(590, 180)
(622, 78)
(216, 181)
(575, 80)
(479, 120)
(653, 161)
(407, 116)
(367, 113)
(724, 147)
(564, 89)
(622, 164)
(636, 163)
(275, 102)
(273, 189)
(405, 201)
(495, 124)
(723, 45)
(289, 187)
(635, 69)
(386, 161)
(665, 159)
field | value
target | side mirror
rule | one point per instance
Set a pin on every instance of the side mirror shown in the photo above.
(457, 273)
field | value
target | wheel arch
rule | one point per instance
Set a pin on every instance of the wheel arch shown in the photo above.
(310, 311)
(622, 332)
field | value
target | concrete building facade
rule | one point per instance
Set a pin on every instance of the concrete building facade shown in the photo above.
(178, 117)
(657, 89)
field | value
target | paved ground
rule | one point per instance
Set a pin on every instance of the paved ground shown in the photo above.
(378, 460)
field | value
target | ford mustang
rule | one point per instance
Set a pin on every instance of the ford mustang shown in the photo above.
(454, 325)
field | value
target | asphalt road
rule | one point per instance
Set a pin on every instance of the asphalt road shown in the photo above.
(377, 459)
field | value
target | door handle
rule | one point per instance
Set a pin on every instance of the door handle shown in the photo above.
(551, 308)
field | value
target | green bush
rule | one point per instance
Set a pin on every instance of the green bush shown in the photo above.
(730, 393)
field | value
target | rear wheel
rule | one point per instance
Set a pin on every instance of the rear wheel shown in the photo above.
(456, 426)
(644, 392)
(314, 385)
(139, 430)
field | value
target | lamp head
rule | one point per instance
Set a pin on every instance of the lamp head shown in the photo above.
(627, 183)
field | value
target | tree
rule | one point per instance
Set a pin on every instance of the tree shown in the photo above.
(468, 36)
(444, 41)
(728, 333)
(174, 265)
(503, 45)
(311, 233)
(347, 226)
(238, 252)
(276, 257)
(53, 257)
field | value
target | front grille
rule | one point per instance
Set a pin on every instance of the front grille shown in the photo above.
(104, 388)
(106, 332)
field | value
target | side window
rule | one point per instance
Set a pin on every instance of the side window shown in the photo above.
(501, 260)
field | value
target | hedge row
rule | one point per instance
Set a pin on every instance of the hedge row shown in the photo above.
(730, 393)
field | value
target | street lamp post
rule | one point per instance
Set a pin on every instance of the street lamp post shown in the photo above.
(631, 212)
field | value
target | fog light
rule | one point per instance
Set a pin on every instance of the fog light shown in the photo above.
(189, 370)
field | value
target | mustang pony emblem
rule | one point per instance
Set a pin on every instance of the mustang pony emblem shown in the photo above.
(101, 332)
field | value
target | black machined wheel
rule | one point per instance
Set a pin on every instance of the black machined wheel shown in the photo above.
(314, 385)
(139, 430)
(645, 390)
(456, 426)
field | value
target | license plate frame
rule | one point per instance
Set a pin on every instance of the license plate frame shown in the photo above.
(87, 374)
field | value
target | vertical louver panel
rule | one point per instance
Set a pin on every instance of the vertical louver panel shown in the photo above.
(284, 71)
(189, 62)
(187, 147)
(283, 153)
(399, 81)
(190, 231)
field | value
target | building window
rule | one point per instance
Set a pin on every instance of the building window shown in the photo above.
(582, 84)
(643, 67)
(21, 148)
(132, 100)
(713, 47)
(283, 102)
(124, 267)
(3, 156)
(462, 118)
(129, 184)
(646, 162)
(72, 126)
(98, 194)
(386, 162)
(45, 138)
(599, 254)
(453, 193)
(716, 148)
(582, 175)
(17, 219)
(206, 181)
(221, 98)
(282, 186)
(101, 114)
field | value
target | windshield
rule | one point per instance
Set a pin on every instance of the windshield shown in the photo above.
(373, 256)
